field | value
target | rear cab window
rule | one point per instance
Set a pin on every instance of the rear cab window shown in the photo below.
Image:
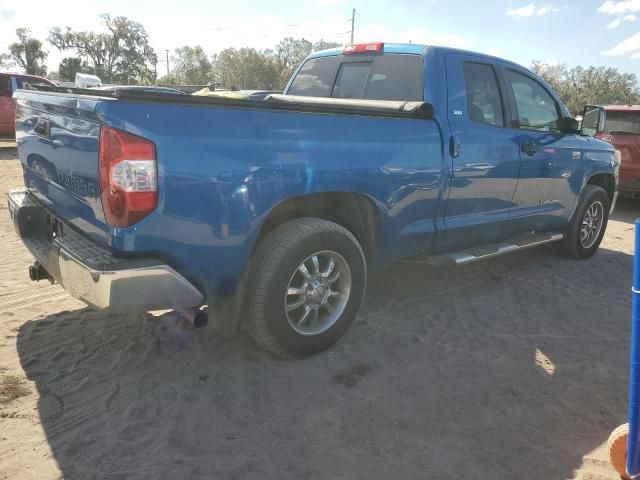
(484, 102)
(622, 122)
(388, 76)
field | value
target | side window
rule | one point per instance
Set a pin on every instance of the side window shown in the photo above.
(537, 110)
(484, 103)
(5, 86)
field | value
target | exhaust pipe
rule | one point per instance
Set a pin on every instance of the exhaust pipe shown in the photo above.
(195, 317)
(37, 273)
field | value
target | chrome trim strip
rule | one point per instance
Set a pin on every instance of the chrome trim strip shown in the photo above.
(507, 248)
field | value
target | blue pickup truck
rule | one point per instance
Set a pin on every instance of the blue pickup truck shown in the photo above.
(271, 213)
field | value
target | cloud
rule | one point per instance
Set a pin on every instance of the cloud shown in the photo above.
(532, 9)
(495, 51)
(618, 21)
(629, 46)
(616, 7)
(547, 9)
(615, 24)
(525, 11)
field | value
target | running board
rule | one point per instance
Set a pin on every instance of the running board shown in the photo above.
(489, 251)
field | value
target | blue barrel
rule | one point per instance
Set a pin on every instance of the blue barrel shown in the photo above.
(633, 450)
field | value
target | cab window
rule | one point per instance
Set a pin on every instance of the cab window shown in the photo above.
(537, 110)
(388, 76)
(484, 103)
(351, 80)
(622, 122)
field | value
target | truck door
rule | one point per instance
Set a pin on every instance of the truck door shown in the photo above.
(547, 189)
(483, 152)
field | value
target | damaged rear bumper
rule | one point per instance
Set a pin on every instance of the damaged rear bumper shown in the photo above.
(90, 272)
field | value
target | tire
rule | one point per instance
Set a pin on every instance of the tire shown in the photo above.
(593, 198)
(274, 321)
(617, 447)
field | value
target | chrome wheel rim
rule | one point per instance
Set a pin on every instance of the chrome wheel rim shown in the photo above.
(317, 293)
(592, 224)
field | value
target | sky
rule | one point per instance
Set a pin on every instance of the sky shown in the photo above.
(591, 32)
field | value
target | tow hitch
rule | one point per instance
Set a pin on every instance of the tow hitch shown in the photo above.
(37, 273)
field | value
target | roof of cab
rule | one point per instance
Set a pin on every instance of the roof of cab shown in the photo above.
(388, 48)
(415, 49)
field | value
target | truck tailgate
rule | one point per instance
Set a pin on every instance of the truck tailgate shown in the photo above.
(58, 140)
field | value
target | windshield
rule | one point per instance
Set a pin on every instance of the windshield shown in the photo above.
(622, 123)
(380, 77)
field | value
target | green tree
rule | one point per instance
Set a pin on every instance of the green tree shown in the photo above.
(580, 86)
(289, 54)
(69, 66)
(192, 66)
(121, 53)
(27, 53)
(245, 68)
(324, 45)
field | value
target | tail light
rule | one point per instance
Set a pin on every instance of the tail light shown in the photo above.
(128, 183)
(364, 48)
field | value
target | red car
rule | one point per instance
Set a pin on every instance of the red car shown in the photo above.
(8, 83)
(620, 126)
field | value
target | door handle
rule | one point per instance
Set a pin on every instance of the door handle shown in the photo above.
(453, 147)
(530, 148)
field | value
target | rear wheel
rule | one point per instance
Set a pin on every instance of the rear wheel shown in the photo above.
(588, 224)
(306, 287)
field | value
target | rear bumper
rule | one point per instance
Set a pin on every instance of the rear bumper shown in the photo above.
(629, 187)
(91, 272)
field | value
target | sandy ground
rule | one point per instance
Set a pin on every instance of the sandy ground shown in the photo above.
(515, 368)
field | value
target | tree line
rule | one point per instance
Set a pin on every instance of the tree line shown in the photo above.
(122, 54)
(580, 86)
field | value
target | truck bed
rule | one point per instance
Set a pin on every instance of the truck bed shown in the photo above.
(223, 164)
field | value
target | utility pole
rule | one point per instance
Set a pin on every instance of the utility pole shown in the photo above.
(353, 21)
(167, 63)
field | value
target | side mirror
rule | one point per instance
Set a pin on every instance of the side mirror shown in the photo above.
(569, 125)
(592, 121)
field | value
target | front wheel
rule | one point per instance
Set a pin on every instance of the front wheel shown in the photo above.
(588, 224)
(306, 286)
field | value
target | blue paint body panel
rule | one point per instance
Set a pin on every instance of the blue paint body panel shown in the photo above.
(633, 438)
(222, 170)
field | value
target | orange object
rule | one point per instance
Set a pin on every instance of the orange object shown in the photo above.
(617, 446)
